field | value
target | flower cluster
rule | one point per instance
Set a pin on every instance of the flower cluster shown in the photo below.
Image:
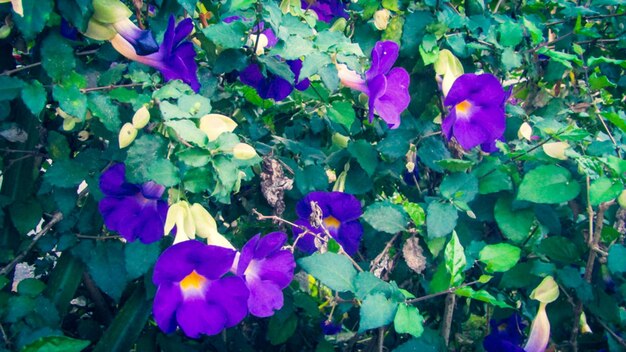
(339, 219)
(387, 87)
(134, 211)
(206, 288)
(326, 10)
(476, 116)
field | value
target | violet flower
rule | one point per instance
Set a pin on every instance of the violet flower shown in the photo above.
(267, 269)
(326, 10)
(175, 59)
(193, 293)
(476, 111)
(387, 87)
(330, 328)
(134, 211)
(506, 335)
(340, 218)
(273, 86)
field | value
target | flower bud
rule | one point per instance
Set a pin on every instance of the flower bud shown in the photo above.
(243, 151)
(381, 19)
(206, 227)
(340, 140)
(69, 123)
(179, 215)
(525, 131)
(339, 25)
(98, 31)
(141, 117)
(556, 150)
(128, 133)
(110, 11)
(215, 124)
(260, 47)
(5, 31)
(83, 136)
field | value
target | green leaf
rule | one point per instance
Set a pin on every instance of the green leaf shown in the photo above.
(416, 213)
(515, 224)
(293, 48)
(560, 249)
(548, 184)
(311, 178)
(342, 113)
(312, 63)
(77, 12)
(365, 155)
(408, 320)
(376, 311)
(105, 263)
(140, 257)
(440, 219)
(499, 257)
(25, 215)
(617, 259)
(128, 324)
(188, 5)
(106, 111)
(56, 344)
(281, 329)
(163, 172)
(333, 270)
(511, 59)
(454, 165)
(65, 173)
(330, 77)
(34, 96)
(454, 257)
(194, 157)
(10, 87)
(227, 35)
(188, 131)
(618, 120)
(142, 154)
(480, 295)
(64, 281)
(30, 287)
(57, 57)
(511, 33)
(198, 179)
(71, 100)
(278, 67)
(367, 283)
(36, 14)
(459, 186)
(386, 217)
(603, 190)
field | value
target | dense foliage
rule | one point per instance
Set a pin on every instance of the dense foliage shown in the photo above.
(295, 175)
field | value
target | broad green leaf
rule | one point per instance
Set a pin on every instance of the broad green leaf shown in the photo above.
(511, 59)
(342, 113)
(376, 311)
(408, 320)
(515, 224)
(416, 213)
(293, 48)
(57, 56)
(30, 287)
(281, 329)
(65, 173)
(140, 257)
(277, 67)
(617, 259)
(332, 270)
(367, 283)
(311, 178)
(560, 249)
(480, 295)
(34, 96)
(36, 14)
(454, 257)
(142, 155)
(10, 87)
(227, 35)
(106, 111)
(386, 217)
(312, 63)
(548, 184)
(499, 257)
(459, 186)
(511, 33)
(56, 344)
(188, 5)
(603, 190)
(188, 131)
(454, 165)
(64, 281)
(365, 155)
(25, 215)
(440, 219)
(105, 263)
(71, 100)
(77, 12)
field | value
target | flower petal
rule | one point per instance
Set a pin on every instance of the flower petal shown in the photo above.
(384, 55)
(167, 299)
(198, 317)
(265, 298)
(395, 99)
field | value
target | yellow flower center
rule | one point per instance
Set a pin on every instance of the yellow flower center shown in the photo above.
(193, 281)
(330, 222)
(463, 107)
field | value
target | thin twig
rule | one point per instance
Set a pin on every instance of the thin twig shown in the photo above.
(556, 40)
(617, 338)
(56, 217)
(5, 337)
(437, 294)
(35, 64)
(110, 87)
(447, 317)
(381, 338)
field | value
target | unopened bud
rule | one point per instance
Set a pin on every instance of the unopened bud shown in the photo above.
(262, 42)
(621, 200)
(340, 140)
(339, 25)
(128, 133)
(243, 151)
(99, 31)
(69, 123)
(381, 19)
(83, 136)
(215, 124)
(141, 117)
(110, 11)
(525, 131)
(5, 31)
(556, 150)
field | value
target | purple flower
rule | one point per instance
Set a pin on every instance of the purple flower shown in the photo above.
(506, 335)
(330, 328)
(267, 269)
(192, 291)
(273, 86)
(387, 87)
(142, 40)
(340, 218)
(476, 111)
(326, 10)
(175, 59)
(134, 211)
